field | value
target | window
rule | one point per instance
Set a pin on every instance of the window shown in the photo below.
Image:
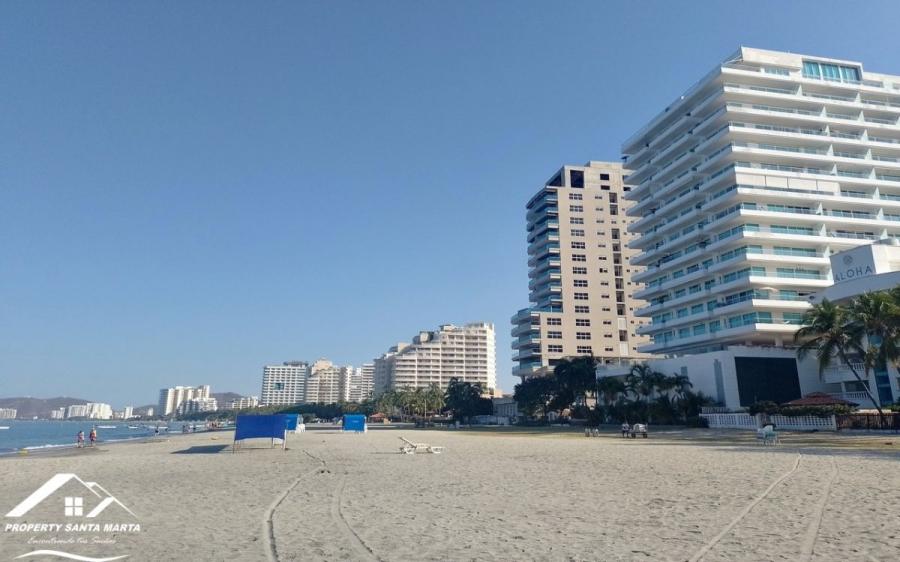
(581, 309)
(585, 349)
(554, 335)
(574, 197)
(278, 386)
(578, 246)
(577, 232)
(554, 348)
(576, 220)
(833, 72)
(576, 178)
(582, 335)
(74, 506)
(582, 321)
(554, 321)
(604, 177)
(581, 296)
(579, 270)
(579, 257)
(576, 208)
(580, 282)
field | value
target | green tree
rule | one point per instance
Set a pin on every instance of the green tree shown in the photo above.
(533, 394)
(464, 398)
(574, 379)
(829, 333)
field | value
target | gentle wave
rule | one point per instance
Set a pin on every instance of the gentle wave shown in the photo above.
(61, 554)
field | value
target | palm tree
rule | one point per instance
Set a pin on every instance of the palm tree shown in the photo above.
(435, 397)
(829, 333)
(876, 316)
(681, 384)
(609, 389)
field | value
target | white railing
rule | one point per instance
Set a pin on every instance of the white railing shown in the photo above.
(801, 423)
(860, 396)
(746, 421)
(730, 421)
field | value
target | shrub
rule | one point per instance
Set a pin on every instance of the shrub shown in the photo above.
(764, 407)
(697, 421)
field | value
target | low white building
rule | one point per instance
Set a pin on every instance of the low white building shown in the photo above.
(8, 413)
(197, 405)
(242, 403)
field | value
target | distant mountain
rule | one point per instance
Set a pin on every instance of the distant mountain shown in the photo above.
(223, 397)
(40, 407)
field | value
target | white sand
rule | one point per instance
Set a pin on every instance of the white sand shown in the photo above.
(489, 497)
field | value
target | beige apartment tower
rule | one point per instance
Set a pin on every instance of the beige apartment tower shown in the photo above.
(579, 269)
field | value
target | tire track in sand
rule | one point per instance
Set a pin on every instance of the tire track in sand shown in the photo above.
(268, 524)
(812, 532)
(359, 546)
(708, 546)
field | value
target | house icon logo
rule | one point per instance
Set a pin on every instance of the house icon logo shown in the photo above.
(70, 505)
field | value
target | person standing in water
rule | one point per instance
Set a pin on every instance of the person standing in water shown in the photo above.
(93, 436)
(79, 440)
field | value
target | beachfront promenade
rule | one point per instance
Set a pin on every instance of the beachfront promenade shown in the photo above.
(493, 495)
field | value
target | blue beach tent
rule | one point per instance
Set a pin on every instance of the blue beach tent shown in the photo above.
(354, 422)
(292, 421)
(251, 427)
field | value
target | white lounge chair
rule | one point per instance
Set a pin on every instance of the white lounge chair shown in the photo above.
(410, 448)
(767, 435)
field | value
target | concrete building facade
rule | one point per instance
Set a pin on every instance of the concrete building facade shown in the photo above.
(284, 384)
(328, 383)
(580, 271)
(743, 189)
(745, 185)
(465, 352)
(171, 398)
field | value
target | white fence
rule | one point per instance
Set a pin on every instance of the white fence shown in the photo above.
(801, 423)
(746, 421)
(731, 421)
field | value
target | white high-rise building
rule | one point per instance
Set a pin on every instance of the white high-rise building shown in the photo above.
(366, 380)
(77, 411)
(197, 405)
(464, 352)
(99, 411)
(328, 383)
(284, 384)
(743, 187)
(171, 398)
(58, 414)
(8, 413)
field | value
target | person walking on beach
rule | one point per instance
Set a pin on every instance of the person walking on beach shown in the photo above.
(92, 436)
(626, 429)
(79, 440)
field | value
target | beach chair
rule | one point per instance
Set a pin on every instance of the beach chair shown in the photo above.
(410, 448)
(767, 435)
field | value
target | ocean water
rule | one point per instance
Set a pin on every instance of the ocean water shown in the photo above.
(42, 434)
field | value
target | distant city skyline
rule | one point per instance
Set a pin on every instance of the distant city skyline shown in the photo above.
(193, 194)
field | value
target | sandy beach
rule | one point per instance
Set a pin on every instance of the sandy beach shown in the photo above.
(490, 496)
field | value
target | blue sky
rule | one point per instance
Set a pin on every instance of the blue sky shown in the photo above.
(191, 190)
